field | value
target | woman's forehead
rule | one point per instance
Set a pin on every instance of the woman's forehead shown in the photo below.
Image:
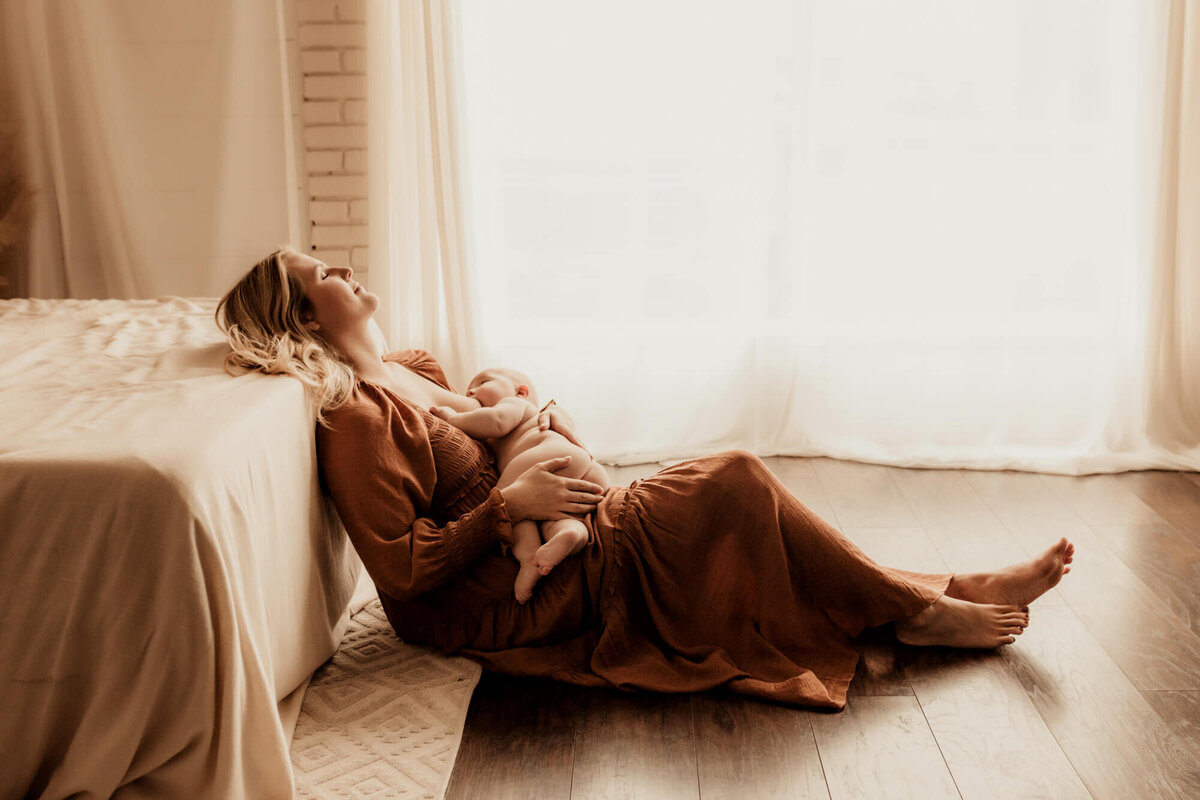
(300, 261)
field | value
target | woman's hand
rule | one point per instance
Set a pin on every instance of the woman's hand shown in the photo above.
(554, 418)
(541, 494)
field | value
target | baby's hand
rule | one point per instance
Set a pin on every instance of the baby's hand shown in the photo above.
(443, 412)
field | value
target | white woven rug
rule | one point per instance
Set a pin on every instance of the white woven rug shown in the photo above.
(382, 718)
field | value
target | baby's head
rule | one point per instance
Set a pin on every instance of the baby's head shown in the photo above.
(493, 385)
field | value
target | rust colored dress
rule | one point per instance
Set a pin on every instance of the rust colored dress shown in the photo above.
(708, 574)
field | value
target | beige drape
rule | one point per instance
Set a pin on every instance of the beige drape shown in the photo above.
(1174, 406)
(160, 142)
(418, 246)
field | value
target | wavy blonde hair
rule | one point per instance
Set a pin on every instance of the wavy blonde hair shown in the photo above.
(264, 317)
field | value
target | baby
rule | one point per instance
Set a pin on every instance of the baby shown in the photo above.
(508, 422)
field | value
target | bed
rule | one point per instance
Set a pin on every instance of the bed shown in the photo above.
(169, 569)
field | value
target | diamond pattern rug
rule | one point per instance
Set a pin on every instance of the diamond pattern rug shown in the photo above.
(381, 719)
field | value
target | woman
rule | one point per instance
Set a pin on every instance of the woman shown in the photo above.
(708, 574)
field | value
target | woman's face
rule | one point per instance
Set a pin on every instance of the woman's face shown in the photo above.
(338, 302)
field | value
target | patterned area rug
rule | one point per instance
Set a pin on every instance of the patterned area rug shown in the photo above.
(382, 718)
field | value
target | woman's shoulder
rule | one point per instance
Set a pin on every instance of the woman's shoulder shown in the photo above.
(368, 412)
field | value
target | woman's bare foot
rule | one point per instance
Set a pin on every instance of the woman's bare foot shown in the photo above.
(1019, 584)
(958, 623)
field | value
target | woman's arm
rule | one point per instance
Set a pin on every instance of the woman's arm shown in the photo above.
(378, 468)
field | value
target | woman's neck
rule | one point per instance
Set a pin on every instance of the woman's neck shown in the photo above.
(358, 349)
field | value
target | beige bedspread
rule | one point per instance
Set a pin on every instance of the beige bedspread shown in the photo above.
(168, 567)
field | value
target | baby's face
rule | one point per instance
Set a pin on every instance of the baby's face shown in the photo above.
(489, 388)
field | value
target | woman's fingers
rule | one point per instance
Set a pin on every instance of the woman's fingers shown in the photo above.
(554, 464)
(585, 486)
(577, 509)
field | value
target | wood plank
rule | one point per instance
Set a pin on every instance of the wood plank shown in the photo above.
(967, 532)
(1020, 498)
(993, 739)
(1136, 628)
(1167, 563)
(786, 467)
(943, 498)
(1174, 496)
(747, 748)
(1101, 500)
(1118, 745)
(879, 748)
(799, 476)
(863, 495)
(1181, 711)
(518, 741)
(903, 548)
(635, 746)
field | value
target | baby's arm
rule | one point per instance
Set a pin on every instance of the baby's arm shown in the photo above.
(486, 423)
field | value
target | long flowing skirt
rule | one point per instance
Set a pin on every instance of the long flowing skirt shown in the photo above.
(709, 574)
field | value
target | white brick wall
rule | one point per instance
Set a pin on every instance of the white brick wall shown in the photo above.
(333, 41)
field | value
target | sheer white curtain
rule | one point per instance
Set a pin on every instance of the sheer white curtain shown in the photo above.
(160, 142)
(418, 243)
(916, 233)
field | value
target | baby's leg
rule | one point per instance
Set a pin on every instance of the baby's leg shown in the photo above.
(567, 537)
(564, 537)
(526, 544)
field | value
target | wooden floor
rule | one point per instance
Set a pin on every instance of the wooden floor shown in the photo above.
(1099, 698)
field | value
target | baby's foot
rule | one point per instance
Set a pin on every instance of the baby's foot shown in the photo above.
(958, 623)
(527, 578)
(1019, 584)
(551, 554)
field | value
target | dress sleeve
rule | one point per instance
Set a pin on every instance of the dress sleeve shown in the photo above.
(378, 467)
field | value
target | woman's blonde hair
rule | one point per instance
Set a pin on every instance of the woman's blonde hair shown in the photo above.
(264, 316)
